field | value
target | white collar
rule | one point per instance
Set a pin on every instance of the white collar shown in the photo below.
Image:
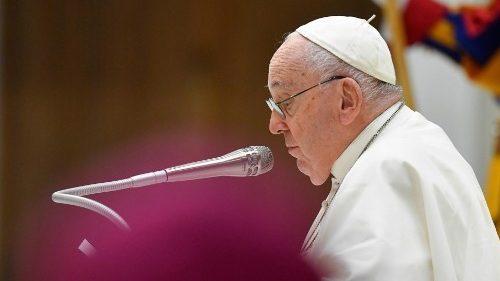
(347, 159)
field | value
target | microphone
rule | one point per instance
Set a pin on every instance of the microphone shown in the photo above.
(249, 161)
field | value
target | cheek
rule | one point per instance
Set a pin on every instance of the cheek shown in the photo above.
(309, 141)
(319, 140)
(306, 132)
(313, 129)
(315, 151)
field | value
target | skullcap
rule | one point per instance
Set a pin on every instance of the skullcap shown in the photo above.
(354, 41)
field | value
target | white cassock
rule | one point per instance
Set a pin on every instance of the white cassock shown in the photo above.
(408, 208)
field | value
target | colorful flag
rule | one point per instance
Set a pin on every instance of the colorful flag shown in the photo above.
(469, 35)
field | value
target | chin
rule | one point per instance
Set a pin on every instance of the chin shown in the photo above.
(318, 177)
(317, 181)
(307, 170)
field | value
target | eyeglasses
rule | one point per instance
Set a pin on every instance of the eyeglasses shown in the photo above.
(276, 105)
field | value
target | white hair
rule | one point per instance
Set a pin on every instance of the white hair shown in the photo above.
(327, 64)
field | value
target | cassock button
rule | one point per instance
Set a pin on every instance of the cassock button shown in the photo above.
(324, 204)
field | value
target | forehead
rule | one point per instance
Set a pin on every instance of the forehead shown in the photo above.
(287, 64)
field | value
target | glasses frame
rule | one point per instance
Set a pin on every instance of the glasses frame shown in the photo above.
(276, 105)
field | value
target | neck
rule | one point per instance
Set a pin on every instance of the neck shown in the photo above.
(375, 108)
(369, 112)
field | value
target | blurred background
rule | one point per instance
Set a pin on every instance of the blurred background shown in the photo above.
(94, 91)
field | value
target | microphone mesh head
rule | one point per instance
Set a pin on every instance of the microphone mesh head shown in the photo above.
(266, 159)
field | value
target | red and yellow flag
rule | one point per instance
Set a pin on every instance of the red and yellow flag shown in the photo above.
(468, 35)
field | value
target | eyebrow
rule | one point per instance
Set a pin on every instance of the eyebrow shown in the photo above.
(280, 85)
(276, 84)
(283, 89)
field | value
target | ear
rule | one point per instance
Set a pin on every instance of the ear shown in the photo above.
(351, 101)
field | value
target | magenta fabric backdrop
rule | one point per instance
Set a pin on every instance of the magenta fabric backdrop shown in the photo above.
(219, 227)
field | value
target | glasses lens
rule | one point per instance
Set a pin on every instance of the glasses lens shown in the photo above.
(270, 104)
(273, 106)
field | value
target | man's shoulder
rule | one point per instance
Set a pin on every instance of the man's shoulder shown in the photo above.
(413, 138)
(400, 148)
(414, 144)
(416, 149)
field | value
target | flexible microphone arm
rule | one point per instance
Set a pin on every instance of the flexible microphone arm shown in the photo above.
(250, 161)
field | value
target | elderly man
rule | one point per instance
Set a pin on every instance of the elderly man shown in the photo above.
(404, 204)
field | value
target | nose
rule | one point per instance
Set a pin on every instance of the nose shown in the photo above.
(276, 124)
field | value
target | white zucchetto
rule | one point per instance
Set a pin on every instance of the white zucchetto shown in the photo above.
(354, 41)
